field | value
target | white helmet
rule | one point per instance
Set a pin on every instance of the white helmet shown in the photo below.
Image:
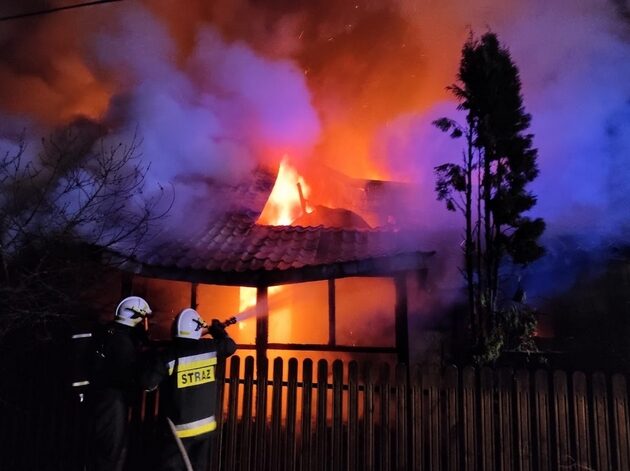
(131, 311)
(188, 324)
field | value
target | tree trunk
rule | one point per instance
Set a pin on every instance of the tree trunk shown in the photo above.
(469, 247)
(489, 248)
(479, 292)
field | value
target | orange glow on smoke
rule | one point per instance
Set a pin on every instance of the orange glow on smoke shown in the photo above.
(299, 313)
(247, 299)
(282, 320)
(284, 204)
(282, 314)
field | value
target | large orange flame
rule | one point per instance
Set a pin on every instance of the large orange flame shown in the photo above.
(285, 204)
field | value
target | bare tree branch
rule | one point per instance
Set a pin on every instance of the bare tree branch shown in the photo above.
(58, 214)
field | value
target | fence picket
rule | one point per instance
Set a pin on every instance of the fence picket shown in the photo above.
(275, 455)
(416, 430)
(401, 418)
(486, 410)
(321, 433)
(561, 420)
(505, 428)
(581, 433)
(353, 416)
(451, 418)
(337, 419)
(541, 408)
(246, 417)
(469, 422)
(260, 434)
(306, 429)
(231, 455)
(216, 444)
(523, 421)
(385, 437)
(431, 412)
(368, 419)
(289, 463)
(621, 430)
(600, 422)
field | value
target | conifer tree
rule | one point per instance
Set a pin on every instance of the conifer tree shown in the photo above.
(490, 186)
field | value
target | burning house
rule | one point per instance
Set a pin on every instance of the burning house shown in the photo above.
(219, 88)
(297, 276)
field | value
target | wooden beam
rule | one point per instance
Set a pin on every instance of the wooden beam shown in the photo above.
(262, 323)
(193, 295)
(372, 267)
(332, 313)
(126, 284)
(402, 325)
(321, 347)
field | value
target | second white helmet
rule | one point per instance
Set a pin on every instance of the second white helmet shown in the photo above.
(188, 324)
(132, 310)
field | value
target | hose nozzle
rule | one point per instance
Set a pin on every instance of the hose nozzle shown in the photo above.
(230, 321)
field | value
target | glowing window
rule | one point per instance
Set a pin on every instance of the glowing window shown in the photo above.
(365, 310)
(298, 313)
(223, 302)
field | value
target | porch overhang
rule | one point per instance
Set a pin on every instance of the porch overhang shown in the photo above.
(369, 267)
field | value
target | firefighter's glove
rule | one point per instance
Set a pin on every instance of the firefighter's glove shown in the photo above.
(217, 329)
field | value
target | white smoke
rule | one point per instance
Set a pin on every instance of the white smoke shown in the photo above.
(211, 118)
(574, 60)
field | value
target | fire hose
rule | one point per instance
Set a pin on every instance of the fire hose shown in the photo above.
(216, 324)
(228, 322)
(180, 446)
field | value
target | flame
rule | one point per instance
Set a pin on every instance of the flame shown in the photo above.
(284, 204)
(247, 299)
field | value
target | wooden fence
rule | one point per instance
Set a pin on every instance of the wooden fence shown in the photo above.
(306, 416)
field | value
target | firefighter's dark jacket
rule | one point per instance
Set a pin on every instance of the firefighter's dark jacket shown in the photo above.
(185, 372)
(119, 348)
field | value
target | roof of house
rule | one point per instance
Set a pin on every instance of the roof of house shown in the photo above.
(236, 250)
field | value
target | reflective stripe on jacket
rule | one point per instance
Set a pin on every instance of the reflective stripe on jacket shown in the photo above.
(192, 429)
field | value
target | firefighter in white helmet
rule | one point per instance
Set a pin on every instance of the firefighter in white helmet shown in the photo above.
(116, 382)
(185, 372)
(132, 310)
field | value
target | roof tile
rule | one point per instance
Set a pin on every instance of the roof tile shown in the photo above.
(234, 242)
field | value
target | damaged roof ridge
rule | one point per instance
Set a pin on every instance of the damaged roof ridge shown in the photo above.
(321, 227)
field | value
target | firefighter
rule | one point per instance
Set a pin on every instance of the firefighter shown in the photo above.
(185, 372)
(115, 383)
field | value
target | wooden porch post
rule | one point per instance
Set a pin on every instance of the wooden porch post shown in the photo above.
(332, 313)
(193, 295)
(402, 326)
(126, 284)
(262, 323)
